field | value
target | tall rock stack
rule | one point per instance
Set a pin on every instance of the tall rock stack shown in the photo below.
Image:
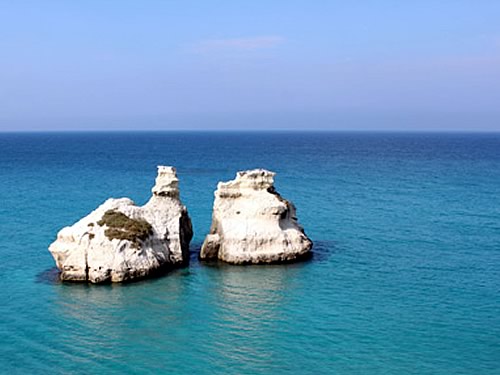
(120, 241)
(252, 223)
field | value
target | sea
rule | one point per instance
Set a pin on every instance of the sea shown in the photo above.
(404, 278)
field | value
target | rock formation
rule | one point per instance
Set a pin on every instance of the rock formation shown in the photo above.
(120, 241)
(252, 223)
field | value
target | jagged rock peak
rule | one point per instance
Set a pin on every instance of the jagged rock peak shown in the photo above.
(167, 183)
(255, 179)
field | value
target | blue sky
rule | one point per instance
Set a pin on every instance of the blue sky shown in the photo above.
(345, 65)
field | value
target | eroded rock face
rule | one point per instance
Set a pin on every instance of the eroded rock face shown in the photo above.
(120, 241)
(252, 223)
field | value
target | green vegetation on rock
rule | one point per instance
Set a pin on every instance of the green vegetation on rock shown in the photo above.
(122, 227)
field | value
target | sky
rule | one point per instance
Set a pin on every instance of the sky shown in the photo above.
(245, 65)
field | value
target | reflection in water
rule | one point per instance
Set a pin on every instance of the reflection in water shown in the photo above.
(252, 302)
(219, 314)
(120, 319)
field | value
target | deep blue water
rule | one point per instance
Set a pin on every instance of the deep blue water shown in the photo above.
(405, 277)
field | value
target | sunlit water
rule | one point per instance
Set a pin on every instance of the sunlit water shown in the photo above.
(405, 277)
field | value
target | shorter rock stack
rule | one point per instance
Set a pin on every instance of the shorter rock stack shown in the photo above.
(252, 223)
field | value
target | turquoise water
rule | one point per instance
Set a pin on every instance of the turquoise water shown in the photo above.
(405, 277)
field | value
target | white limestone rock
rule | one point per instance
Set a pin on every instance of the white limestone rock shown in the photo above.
(252, 223)
(120, 241)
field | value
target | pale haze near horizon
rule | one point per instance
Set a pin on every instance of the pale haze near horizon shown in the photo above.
(331, 65)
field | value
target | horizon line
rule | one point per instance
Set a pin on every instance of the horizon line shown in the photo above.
(255, 130)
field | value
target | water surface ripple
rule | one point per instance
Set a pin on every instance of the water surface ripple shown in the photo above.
(405, 278)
